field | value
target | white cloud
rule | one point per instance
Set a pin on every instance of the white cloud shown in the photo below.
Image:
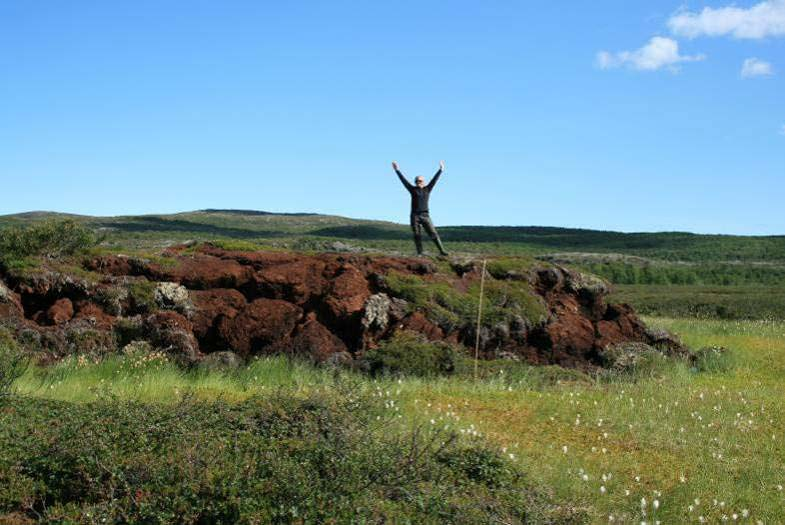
(753, 67)
(658, 53)
(764, 19)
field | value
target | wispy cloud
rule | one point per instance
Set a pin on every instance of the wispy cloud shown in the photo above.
(659, 52)
(782, 130)
(753, 67)
(762, 20)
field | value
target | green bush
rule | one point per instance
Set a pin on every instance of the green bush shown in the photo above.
(13, 364)
(712, 359)
(334, 456)
(479, 464)
(50, 238)
(410, 353)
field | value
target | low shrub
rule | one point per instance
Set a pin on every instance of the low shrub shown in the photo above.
(712, 359)
(411, 354)
(13, 364)
(50, 238)
(479, 464)
(334, 456)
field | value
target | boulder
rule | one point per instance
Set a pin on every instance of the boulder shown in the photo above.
(584, 283)
(417, 322)
(348, 292)
(173, 296)
(173, 334)
(209, 305)
(314, 341)
(61, 312)
(263, 326)
(297, 281)
(376, 312)
(10, 303)
(93, 314)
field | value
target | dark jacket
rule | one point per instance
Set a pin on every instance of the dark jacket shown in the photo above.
(419, 195)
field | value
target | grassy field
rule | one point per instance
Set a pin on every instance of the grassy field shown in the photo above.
(670, 444)
(721, 302)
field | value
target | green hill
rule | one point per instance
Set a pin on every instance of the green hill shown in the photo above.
(283, 228)
(651, 269)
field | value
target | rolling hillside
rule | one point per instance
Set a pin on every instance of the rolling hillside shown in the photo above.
(668, 273)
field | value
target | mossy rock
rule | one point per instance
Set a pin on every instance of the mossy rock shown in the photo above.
(517, 268)
(449, 307)
(142, 295)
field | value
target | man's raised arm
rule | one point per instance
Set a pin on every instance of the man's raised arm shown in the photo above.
(405, 182)
(436, 177)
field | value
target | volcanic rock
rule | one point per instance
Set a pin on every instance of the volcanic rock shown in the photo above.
(173, 334)
(61, 312)
(173, 296)
(263, 327)
(313, 340)
(325, 306)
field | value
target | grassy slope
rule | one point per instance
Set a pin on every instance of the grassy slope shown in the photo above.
(283, 228)
(666, 274)
(675, 437)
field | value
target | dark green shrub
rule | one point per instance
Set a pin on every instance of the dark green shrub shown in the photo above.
(333, 456)
(50, 238)
(479, 464)
(410, 353)
(13, 364)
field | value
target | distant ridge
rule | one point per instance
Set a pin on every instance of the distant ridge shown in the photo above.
(257, 212)
(315, 231)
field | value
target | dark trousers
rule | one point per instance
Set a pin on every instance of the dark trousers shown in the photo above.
(422, 221)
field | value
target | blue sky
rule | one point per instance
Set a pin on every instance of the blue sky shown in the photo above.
(631, 116)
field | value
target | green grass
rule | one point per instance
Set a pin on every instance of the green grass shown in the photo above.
(673, 434)
(723, 302)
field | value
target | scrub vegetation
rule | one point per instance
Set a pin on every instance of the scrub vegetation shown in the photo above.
(284, 441)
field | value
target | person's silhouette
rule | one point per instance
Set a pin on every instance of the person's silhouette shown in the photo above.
(420, 217)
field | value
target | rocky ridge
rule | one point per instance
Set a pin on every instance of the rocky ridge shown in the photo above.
(195, 301)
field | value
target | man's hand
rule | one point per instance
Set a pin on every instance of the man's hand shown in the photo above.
(441, 165)
(395, 166)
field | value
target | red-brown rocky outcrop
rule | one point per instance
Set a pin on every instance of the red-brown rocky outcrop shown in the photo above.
(204, 299)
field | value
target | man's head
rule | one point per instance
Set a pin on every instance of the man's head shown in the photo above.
(419, 181)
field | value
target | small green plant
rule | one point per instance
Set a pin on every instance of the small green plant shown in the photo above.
(409, 353)
(50, 238)
(13, 364)
(712, 359)
(479, 464)
(142, 295)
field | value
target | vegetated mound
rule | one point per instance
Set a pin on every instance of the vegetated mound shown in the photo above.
(194, 301)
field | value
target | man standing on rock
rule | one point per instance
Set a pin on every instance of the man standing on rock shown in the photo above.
(420, 218)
